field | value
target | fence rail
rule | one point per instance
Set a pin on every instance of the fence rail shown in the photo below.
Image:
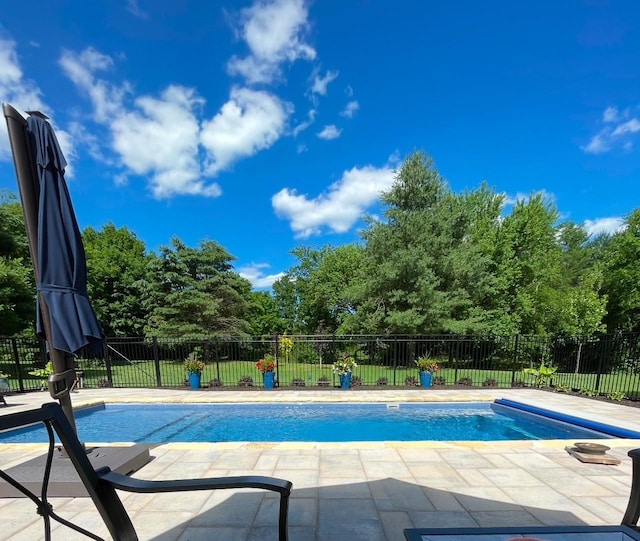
(608, 365)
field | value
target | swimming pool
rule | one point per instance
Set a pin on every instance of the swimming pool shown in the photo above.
(161, 423)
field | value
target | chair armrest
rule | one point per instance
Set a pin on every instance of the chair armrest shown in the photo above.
(633, 507)
(131, 484)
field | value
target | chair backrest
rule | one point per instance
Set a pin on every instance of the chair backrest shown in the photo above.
(103, 494)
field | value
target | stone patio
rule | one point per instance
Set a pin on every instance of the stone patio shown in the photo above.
(352, 491)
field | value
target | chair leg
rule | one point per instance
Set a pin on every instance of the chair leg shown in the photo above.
(282, 522)
(633, 507)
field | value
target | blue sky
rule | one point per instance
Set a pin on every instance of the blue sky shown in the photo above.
(272, 124)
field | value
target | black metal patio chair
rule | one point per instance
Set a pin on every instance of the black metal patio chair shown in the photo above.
(102, 484)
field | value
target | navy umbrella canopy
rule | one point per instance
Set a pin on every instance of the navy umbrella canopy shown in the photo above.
(64, 316)
(62, 267)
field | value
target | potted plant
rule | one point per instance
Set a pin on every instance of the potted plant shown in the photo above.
(268, 368)
(44, 374)
(541, 375)
(344, 367)
(4, 385)
(427, 366)
(194, 367)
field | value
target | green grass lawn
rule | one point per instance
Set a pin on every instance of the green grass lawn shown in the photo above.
(172, 374)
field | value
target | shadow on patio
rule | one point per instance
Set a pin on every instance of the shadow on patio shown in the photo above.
(368, 511)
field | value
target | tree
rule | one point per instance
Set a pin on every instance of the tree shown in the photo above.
(428, 265)
(621, 277)
(195, 292)
(529, 264)
(263, 315)
(116, 275)
(318, 292)
(286, 295)
(401, 291)
(17, 289)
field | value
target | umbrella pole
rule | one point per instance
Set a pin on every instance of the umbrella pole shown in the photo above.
(61, 381)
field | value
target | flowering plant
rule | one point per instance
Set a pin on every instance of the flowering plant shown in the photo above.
(193, 364)
(425, 364)
(344, 365)
(268, 364)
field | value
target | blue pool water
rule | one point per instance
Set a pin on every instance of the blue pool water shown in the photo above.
(161, 423)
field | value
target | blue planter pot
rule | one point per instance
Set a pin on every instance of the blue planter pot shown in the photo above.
(269, 380)
(345, 381)
(425, 378)
(194, 380)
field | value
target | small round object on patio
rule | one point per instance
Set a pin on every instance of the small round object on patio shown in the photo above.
(591, 448)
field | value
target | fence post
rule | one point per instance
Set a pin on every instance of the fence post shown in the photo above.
(395, 359)
(156, 361)
(107, 362)
(216, 358)
(454, 361)
(516, 344)
(277, 346)
(16, 361)
(600, 363)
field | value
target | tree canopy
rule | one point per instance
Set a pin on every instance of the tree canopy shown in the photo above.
(434, 262)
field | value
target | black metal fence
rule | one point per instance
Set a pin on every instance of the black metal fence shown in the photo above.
(607, 365)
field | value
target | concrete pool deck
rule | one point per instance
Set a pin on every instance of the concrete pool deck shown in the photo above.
(351, 491)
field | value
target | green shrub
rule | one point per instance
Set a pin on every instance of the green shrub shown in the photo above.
(410, 381)
(616, 395)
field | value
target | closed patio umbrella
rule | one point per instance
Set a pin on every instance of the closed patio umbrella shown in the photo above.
(65, 317)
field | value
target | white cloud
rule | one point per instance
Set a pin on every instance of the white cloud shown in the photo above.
(121, 180)
(301, 148)
(521, 197)
(618, 131)
(90, 141)
(305, 124)
(157, 137)
(350, 109)
(275, 33)
(339, 208)
(348, 91)
(631, 126)
(25, 95)
(107, 99)
(607, 226)
(134, 8)
(597, 145)
(160, 139)
(329, 132)
(254, 273)
(320, 84)
(250, 121)
(610, 114)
